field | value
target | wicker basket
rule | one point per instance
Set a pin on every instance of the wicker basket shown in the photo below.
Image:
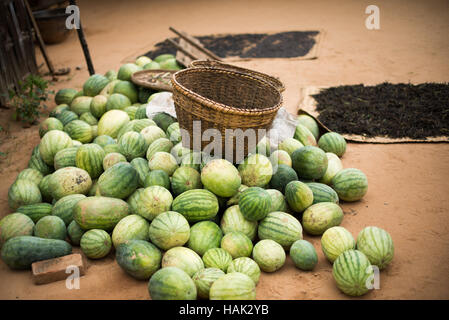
(216, 64)
(222, 99)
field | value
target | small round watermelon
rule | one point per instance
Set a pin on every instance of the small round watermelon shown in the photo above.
(94, 84)
(132, 227)
(334, 166)
(184, 179)
(138, 258)
(303, 255)
(90, 158)
(279, 157)
(282, 176)
(183, 258)
(204, 235)
(79, 130)
(310, 123)
(171, 283)
(280, 227)
(335, 241)
(75, 232)
(157, 178)
(32, 175)
(52, 142)
(320, 217)
(111, 159)
(377, 245)
(23, 192)
(96, 243)
(63, 207)
(350, 184)
(322, 193)
(98, 106)
(169, 229)
(290, 145)
(298, 195)
(237, 244)
(256, 170)
(153, 201)
(333, 142)
(81, 105)
(221, 177)
(269, 255)
(246, 266)
(159, 145)
(50, 124)
(304, 135)
(132, 145)
(310, 162)
(204, 279)
(255, 203)
(65, 96)
(50, 227)
(233, 220)
(163, 161)
(233, 286)
(217, 258)
(152, 133)
(13, 225)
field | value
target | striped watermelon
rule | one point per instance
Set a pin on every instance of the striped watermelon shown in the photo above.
(76, 143)
(162, 119)
(281, 227)
(183, 258)
(117, 101)
(256, 170)
(60, 108)
(153, 201)
(132, 227)
(269, 255)
(128, 89)
(65, 158)
(184, 179)
(204, 235)
(310, 162)
(69, 180)
(52, 142)
(333, 142)
(298, 195)
(322, 193)
(31, 175)
(119, 181)
(112, 122)
(255, 203)
(89, 118)
(67, 116)
(335, 241)
(23, 192)
(157, 178)
(63, 208)
(237, 244)
(171, 283)
(65, 96)
(235, 198)
(81, 105)
(141, 112)
(352, 272)
(282, 176)
(334, 166)
(75, 232)
(290, 145)
(94, 84)
(350, 184)
(49, 124)
(50, 227)
(174, 133)
(196, 205)
(132, 145)
(44, 188)
(246, 266)
(96, 244)
(169, 229)
(90, 158)
(310, 123)
(303, 255)
(36, 211)
(36, 162)
(79, 130)
(159, 145)
(138, 258)
(320, 217)
(111, 159)
(189, 159)
(233, 220)
(131, 111)
(98, 106)
(280, 157)
(111, 148)
(233, 286)
(134, 200)
(304, 135)
(13, 225)
(152, 133)
(104, 140)
(126, 71)
(377, 245)
(141, 166)
(221, 177)
(217, 258)
(278, 202)
(163, 161)
(204, 279)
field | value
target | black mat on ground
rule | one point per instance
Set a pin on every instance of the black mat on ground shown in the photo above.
(392, 110)
(290, 44)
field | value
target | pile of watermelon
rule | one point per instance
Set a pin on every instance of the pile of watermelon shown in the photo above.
(108, 179)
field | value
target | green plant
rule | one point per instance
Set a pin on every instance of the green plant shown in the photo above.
(28, 97)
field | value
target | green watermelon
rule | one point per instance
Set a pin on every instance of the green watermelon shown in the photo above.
(104, 140)
(237, 244)
(119, 181)
(350, 184)
(157, 178)
(204, 235)
(79, 130)
(65, 96)
(111, 75)
(75, 232)
(298, 195)
(321, 216)
(235, 198)
(29, 174)
(36, 162)
(153, 201)
(255, 203)
(138, 258)
(163, 57)
(127, 89)
(67, 116)
(233, 220)
(196, 205)
(170, 64)
(304, 135)
(50, 124)
(217, 258)
(263, 147)
(50, 227)
(89, 118)
(310, 162)
(303, 255)
(112, 122)
(290, 145)
(280, 227)
(69, 180)
(99, 212)
(142, 60)
(96, 243)
(184, 179)
(169, 229)
(334, 166)
(377, 245)
(132, 227)
(278, 202)
(52, 142)
(134, 200)
(246, 266)
(159, 145)
(136, 125)
(98, 106)
(111, 159)
(152, 133)
(256, 170)
(333, 142)
(204, 279)
(221, 177)
(183, 258)
(322, 193)
(117, 101)
(61, 107)
(163, 161)
(36, 211)
(233, 286)
(13, 225)
(279, 157)
(65, 158)
(163, 120)
(190, 159)
(141, 112)
(171, 283)
(310, 123)
(44, 189)
(335, 241)
(94, 85)
(153, 65)
(63, 208)
(23, 192)
(351, 271)
(282, 176)
(141, 166)
(174, 133)
(269, 255)
(81, 105)
(131, 111)
(90, 158)
(132, 145)
(125, 72)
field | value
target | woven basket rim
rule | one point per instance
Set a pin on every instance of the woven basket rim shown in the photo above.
(220, 106)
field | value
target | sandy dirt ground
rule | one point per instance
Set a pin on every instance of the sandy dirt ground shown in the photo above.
(408, 183)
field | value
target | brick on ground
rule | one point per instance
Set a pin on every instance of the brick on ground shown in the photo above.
(52, 270)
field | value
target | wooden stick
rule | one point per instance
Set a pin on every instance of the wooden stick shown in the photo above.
(39, 39)
(187, 53)
(191, 41)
